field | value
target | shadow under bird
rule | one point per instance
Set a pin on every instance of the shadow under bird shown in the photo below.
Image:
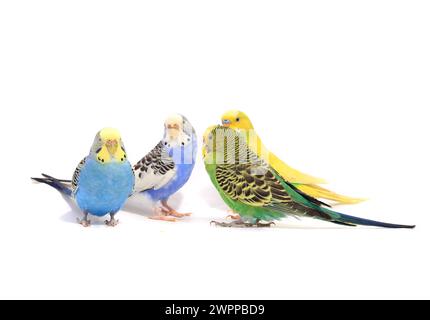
(164, 170)
(103, 180)
(256, 191)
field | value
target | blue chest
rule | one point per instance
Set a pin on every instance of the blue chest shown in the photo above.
(104, 188)
(184, 158)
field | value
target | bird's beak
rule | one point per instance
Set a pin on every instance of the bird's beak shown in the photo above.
(226, 122)
(172, 131)
(112, 146)
(173, 127)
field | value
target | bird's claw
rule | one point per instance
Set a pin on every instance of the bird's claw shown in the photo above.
(112, 222)
(84, 222)
(220, 224)
(174, 213)
(233, 216)
(163, 218)
(179, 215)
(241, 224)
(265, 225)
(235, 224)
(169, 211)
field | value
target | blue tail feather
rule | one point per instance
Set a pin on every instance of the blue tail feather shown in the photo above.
(55, 183)
(343, 218)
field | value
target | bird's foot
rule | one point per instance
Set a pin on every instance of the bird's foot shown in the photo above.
(163, 218)
(233, 216)
(112, 222)
(84, 222)
(264, 225)
(235, 224)
(175, 213)
(160, 214)
(242, 224)
(168, 210)
(180, 215)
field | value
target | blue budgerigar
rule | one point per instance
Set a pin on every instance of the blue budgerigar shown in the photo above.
(164, 170)
(103, 180)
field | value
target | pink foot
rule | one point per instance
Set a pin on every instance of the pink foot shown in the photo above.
(178, 214)
(168, 210)
(233, 216)
(163, 218)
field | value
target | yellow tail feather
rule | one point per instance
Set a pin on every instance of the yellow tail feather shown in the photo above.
(303, 181)
(290, 174)
(319, 192)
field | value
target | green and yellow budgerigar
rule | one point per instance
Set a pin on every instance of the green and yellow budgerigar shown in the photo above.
(238, 120)
(256, 191)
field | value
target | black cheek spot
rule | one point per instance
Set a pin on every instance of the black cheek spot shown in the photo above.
(183, 143)
(103, 160)
(122, 159)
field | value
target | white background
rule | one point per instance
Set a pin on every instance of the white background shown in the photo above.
(339, 89)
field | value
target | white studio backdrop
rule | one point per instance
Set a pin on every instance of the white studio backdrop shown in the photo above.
(339, 89)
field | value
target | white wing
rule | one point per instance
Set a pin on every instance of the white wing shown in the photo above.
(154, 170)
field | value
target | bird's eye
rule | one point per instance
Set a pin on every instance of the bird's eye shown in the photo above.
(237, 119)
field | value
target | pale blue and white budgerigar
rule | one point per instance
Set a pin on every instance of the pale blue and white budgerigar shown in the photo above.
(103, 180)
(164, 170)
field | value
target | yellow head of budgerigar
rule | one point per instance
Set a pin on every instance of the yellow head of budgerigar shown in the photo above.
(237, 120)
(108, 146)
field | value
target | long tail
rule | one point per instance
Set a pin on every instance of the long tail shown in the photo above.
(340, 218)
(288, 173)
(55, 183)
(319, 192)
